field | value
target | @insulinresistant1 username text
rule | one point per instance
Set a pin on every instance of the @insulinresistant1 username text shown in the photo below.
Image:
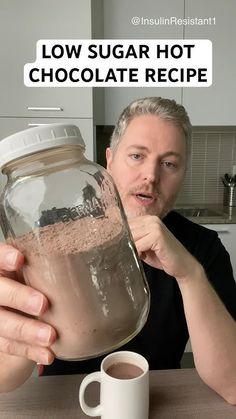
(172, 20)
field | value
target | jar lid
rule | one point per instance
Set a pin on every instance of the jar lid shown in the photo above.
(38, 138)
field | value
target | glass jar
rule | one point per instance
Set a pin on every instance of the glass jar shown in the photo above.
(64, 214)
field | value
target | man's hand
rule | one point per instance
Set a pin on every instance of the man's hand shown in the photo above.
(157, 247)
(21, 333)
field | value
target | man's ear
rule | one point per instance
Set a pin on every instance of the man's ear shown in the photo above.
(109, 158)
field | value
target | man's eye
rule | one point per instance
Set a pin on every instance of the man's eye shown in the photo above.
(135, 156)
(169, 164)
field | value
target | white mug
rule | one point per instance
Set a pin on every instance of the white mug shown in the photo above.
(125, 397)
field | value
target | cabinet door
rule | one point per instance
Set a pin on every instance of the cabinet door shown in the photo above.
(24, 22)
(214, 105)
(227, 234)
(9, 126)
(118, 25)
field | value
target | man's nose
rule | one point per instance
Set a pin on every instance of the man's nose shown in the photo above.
(151, 173)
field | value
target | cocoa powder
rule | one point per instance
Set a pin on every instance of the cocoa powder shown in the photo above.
(87, 270)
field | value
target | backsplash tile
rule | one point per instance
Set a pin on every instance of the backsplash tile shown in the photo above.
(213, 153)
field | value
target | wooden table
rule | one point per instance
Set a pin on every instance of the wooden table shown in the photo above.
(174, 394)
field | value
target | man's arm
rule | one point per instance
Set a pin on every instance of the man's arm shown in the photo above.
(212, 329)
(212, 332)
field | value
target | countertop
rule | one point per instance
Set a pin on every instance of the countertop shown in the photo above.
(225, 215)
(178, 394)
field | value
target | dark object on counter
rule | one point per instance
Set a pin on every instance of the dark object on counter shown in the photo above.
(229, 183)
(230, 196)
(229, 180)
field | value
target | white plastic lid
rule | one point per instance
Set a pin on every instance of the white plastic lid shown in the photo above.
(39, 138)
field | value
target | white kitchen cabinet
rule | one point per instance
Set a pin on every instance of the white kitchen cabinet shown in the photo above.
(227, 234)
(118, 25)
(214, 105)
(31, 20)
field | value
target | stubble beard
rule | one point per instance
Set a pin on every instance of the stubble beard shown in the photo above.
(156, 210)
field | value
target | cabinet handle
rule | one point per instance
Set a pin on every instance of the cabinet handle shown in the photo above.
(36, 125)
(44, 108)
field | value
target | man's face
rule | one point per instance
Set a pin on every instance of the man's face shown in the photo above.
(148, 166)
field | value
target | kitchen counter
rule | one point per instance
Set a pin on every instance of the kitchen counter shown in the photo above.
(224, 215)
(175, 394)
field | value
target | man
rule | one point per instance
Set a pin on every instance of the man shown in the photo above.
(187, 267)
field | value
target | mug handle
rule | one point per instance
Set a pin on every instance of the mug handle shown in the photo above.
(90, 411)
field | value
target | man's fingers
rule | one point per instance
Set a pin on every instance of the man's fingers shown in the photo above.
(146, 243)
(25, 329)
(35, 353)
(10, 258)
(21, 335)
(142, 226)
(22, 297)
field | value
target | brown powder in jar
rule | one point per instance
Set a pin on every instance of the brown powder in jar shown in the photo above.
(84, 268)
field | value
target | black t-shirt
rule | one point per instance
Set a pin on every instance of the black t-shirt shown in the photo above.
(164, 336)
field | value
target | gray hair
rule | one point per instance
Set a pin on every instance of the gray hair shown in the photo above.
(166, 109)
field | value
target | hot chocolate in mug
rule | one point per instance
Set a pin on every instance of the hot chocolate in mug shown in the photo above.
(124, 387)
